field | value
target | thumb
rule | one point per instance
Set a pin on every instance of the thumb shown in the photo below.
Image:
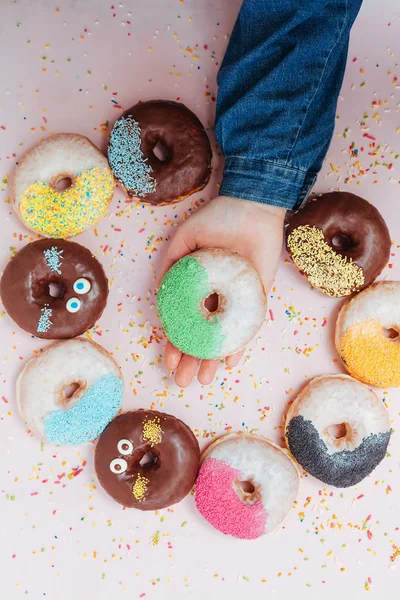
(181, 244)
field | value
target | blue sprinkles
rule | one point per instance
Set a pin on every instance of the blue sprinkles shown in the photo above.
(54, 259)
(44, 321)
(86, 420)
(126, 158)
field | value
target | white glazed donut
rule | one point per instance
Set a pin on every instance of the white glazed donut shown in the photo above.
(246, 485)
(367, 333)
(338, 430)
(69, 420)
(211, 303)
(52, 212)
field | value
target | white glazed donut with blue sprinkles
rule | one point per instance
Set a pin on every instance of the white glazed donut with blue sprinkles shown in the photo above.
(70, 392)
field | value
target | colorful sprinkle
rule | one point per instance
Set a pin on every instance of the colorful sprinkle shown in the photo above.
(44, 321)
(139, 488)
(152, 431)
(54, 259)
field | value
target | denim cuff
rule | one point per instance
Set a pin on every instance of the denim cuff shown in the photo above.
(266, 182)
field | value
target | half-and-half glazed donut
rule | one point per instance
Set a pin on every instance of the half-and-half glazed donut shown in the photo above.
(211, 303)
(246, 485)
(54, 289)
(62, 186)
(367, 335)
(338, 430)
(147, 459)
(159, 152)
(69, 392)
(340, 242)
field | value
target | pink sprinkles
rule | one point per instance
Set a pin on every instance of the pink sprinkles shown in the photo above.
(219, 504)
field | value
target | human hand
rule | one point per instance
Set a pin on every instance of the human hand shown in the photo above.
(254, 231)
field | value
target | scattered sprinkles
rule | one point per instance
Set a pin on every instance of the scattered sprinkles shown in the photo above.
(333, 273)
(126, 158)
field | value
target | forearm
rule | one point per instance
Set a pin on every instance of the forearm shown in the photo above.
(278, 89)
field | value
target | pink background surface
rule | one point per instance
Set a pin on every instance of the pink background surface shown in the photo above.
(61, 536)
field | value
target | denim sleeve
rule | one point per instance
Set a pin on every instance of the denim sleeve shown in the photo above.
(278, 88)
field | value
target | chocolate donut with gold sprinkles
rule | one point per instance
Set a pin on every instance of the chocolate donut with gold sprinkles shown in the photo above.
(340, 242)
(146, 459)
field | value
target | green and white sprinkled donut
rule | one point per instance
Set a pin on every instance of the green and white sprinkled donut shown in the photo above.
(211, 303)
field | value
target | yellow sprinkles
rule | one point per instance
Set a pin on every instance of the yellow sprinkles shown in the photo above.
(139, 488)
(369, 355)
(64, 214)
(152, 431)
(324, 268)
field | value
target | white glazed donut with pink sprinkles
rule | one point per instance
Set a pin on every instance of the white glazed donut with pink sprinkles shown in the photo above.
(246, 485)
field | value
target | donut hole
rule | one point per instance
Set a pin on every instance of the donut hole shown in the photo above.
(341, 241)
(391, 334)
(338, 431)
(211, 303)
(56, 290)
(63, 184)
(148, 459)
(246, 486)
(161, 152)
(70, 390)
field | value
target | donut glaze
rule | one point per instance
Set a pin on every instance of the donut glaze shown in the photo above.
(47, 264)
(182, 301)
(52, 212)
(173, 460)
(187, 165)
(246, 485)
(345, 457)
(69, 392)
(340, 242)
(366, 335)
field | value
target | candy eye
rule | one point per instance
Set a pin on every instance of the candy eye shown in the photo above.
(125, 447)
(73, 305)
(118, 465)
(82, 286)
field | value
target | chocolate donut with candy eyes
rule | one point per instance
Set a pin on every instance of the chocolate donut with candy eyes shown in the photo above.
(146, 459)
(54, 289)
(339, 242)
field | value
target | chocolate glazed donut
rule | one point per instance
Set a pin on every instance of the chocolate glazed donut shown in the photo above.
(54, 289)
(340, 242)
(146, 459)
(185, 167)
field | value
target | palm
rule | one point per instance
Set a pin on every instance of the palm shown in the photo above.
(250, 229)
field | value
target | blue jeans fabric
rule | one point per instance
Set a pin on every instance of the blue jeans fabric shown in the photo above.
(278, 88)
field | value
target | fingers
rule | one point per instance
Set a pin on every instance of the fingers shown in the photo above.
(233, 361)
(172, 356)
(186, 370)
(207, 371)
(180, 245)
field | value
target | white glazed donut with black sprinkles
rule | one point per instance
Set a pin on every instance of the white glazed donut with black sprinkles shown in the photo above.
(70, 392)
(338, 430)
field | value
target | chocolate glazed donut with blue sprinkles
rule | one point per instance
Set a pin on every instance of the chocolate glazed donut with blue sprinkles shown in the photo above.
(338, 430)
(160, 152)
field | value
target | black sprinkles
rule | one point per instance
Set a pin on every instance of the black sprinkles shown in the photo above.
(341, 469)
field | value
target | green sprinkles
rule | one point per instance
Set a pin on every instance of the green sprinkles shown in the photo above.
(179, 298)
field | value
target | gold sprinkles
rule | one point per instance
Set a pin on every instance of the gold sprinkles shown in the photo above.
(64, 214)
(152, 431)
(324, 268)
(139, 488)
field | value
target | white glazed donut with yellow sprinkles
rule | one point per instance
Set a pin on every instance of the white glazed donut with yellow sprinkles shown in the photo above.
(62, 186)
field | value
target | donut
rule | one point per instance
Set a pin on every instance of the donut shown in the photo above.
(338, 430)
(69, 392)
(340, 242)
(367, 335)
(41, 196)
(246, 485)
(211, 303)
(160, 152)
(147, 459)
(54, 289)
